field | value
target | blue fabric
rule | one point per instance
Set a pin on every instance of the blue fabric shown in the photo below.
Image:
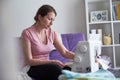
(100, 74)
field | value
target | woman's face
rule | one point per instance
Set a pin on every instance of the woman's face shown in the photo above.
(47, 20)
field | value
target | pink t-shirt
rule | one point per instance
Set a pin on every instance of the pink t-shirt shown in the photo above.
(38, 49)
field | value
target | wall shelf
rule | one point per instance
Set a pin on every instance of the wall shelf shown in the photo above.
(109, 26)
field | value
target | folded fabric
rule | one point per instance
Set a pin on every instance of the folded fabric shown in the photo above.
(22, 75)
(98, 75)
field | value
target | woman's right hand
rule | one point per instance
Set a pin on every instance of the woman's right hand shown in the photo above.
(58, 63)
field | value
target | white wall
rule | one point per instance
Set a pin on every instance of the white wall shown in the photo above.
(19, 14)
(16, 15)
(7, 58)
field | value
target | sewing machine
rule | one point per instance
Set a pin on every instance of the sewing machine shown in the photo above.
(85, 56)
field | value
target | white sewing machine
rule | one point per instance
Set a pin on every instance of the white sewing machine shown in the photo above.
(85, 56)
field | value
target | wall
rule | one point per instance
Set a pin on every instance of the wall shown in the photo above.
(19, 14)
(7, 53)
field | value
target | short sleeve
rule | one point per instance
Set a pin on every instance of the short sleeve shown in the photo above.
(25, 35)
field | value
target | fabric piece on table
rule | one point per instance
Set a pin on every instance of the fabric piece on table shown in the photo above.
(98, 75)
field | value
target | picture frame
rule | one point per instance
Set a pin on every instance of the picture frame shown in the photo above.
(96, 16)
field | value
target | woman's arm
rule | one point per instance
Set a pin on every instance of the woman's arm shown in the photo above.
(61, 48)
(30, 60)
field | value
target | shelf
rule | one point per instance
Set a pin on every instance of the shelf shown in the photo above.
(107, 45)
(117, 45)
(103, 22)
(100, 22)
(91, 1)
(117, 21)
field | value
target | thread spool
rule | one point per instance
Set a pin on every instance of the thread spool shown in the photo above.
(99, 31)
(93, 31)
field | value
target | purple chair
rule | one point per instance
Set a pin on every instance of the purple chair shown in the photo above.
(70, 41)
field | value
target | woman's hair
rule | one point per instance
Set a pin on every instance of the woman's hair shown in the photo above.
(44, 10)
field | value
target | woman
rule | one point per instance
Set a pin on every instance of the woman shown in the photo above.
(38, 40)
